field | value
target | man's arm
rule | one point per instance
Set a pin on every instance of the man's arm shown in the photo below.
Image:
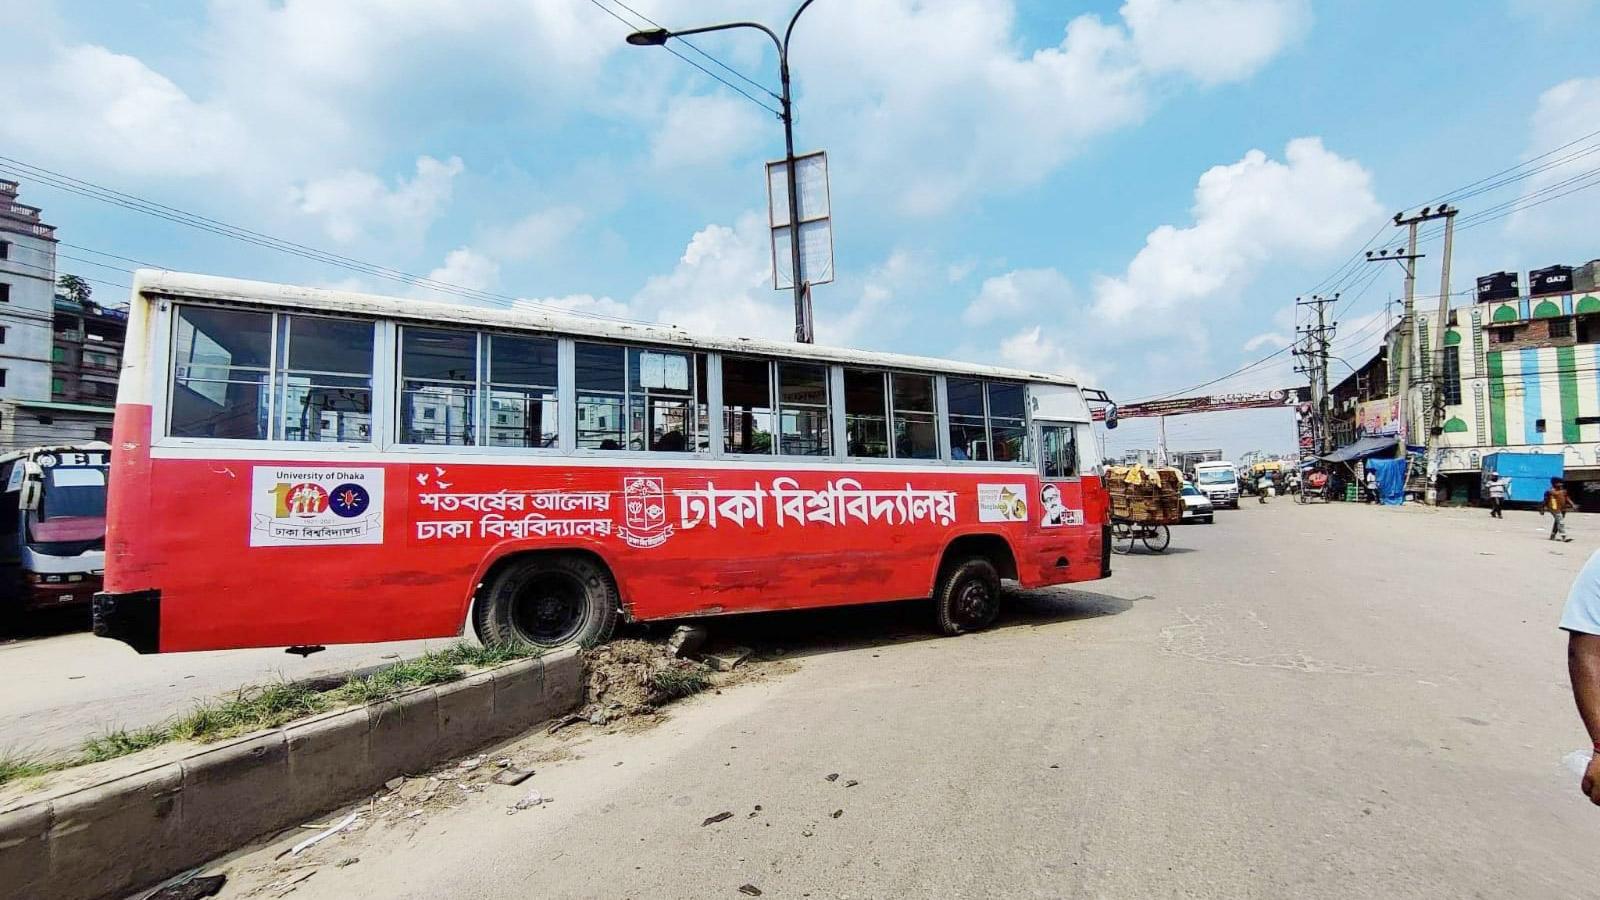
(1583, 666)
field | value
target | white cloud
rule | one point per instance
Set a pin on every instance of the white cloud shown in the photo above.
(87, 104)
(536, 234)
(1266, 339)
(1553, 13)
(722, 285)
(579, 304)
(942, 103)
(354, 205)
(463, 268)
(1214, 41)
(1031, 349)
(1561, 222)
(707, 131)
(1255, 210)
(1018, 292)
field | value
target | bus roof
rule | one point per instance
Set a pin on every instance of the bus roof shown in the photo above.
(211, 287)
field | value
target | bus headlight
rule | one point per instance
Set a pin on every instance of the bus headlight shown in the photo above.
(74, 577)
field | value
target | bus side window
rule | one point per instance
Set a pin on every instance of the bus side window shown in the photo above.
(969, 434)
(1008, 422)
(221, 368)
(1059, 451)
(324, 379)
(438, 386)
(866, 413)
(915, 434)
(523, 405)
(601, 375)
(806, 426)
(746, 405)
(663, 400)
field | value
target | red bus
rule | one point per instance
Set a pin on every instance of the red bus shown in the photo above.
(294, 466)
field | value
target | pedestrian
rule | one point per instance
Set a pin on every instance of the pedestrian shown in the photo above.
(1372, 485)
(1498, 488)
(1557, 503)
(1581, 620)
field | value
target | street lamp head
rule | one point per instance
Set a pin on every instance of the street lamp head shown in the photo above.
(655, 37)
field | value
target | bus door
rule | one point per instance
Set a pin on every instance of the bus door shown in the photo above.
(1061, 488)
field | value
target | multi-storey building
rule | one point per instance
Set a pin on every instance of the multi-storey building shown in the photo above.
(1519, 375)
(58, 357)
(27, 298)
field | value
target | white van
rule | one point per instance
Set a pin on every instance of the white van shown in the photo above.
(1219, 481)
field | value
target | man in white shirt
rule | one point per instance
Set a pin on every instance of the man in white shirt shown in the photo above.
(1497, 494)
(1581, 620)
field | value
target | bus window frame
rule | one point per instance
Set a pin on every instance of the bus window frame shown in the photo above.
(386, 376)
(163, 351)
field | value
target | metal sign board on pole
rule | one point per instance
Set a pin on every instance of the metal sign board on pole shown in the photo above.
(816, 221)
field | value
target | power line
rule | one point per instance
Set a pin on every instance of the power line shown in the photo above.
(632, 27)
(104, 194)
(748, 80)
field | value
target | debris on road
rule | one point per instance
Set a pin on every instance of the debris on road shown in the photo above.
(530, 800)
(833, 777)
(850, 784)
(189, 887)
(726, 660)
(719, 817)
(836, 813)
(629, 678)
(512, 777)
(347, 861)
(749, 890)
(686, 640)
(394, 784)
(312, 841)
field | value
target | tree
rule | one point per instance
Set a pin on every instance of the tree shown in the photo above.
(75, 287)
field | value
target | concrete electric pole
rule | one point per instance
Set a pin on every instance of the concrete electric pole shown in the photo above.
(1318, 342)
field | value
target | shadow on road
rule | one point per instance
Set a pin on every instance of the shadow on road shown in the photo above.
(47, 624)
(816, 631)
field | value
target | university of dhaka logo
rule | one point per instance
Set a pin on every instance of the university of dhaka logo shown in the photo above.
(300, 501)
(644, 509)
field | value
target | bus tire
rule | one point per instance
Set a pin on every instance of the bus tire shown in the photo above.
(968, 597)
(549, 600)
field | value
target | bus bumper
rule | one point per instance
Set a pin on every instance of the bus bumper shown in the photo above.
(133, 618)
(41, 595)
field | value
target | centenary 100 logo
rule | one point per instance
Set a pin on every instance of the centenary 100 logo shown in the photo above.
(303, 500)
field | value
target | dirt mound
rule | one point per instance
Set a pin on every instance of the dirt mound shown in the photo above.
(632, 678)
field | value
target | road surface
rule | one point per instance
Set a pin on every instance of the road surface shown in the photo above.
(1324, 701)
(62, 688)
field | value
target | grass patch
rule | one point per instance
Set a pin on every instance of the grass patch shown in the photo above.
(256, 707)
(676, 683)
(16, 765)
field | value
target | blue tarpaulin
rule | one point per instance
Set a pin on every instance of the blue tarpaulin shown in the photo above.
(1391, 475)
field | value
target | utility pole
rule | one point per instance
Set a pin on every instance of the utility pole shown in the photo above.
(1162, 458)
(1436, 413)
(1405, 349)
(1318, 343)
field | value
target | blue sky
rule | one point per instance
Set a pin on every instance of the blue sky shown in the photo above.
(1135, 191)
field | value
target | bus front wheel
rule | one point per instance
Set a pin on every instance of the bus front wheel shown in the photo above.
(548, 601)
(968, 598)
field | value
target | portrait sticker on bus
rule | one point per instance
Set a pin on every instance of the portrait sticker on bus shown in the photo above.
(1055, 514)
(315, 506)
(1002, 503)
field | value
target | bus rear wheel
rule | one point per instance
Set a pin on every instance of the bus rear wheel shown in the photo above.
(548, 601)
(968, 597)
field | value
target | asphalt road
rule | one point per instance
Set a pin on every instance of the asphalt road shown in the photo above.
(59, 689)
(1325, 701)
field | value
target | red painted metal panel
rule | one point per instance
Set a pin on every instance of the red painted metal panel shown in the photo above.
(273, 552)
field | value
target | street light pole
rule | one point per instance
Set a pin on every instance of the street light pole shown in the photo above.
(803, 331)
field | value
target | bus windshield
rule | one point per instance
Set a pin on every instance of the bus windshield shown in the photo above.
(72, 506)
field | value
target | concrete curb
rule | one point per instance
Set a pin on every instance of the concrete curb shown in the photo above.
(135, 829)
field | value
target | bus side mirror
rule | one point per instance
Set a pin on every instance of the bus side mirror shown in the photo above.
(32, 485)
(1111, 416)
